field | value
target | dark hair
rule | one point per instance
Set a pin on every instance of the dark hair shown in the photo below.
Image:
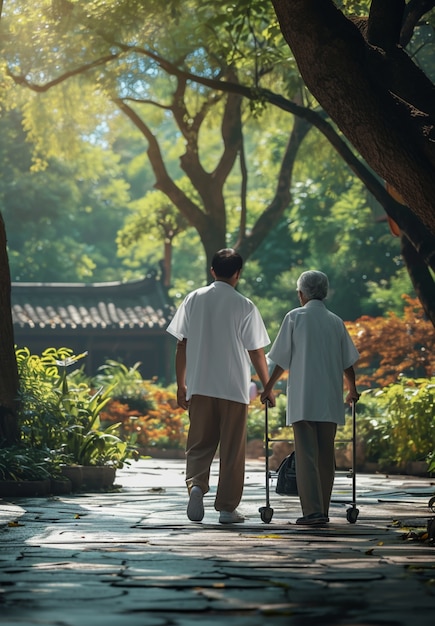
(226, 263)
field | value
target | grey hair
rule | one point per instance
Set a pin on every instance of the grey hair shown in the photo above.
(313, 284)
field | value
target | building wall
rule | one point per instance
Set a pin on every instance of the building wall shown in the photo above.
(154, 351)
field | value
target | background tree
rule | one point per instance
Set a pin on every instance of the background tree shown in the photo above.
(84, 62)
(156, 219)
(104, 51)
(240, 40)
(8, 365)
(61, 220)
(118, 21)
(360, 73)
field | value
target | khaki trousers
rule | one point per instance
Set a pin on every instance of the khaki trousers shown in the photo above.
(315, 464)
(215, 421)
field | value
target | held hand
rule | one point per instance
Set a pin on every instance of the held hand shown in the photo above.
(352, 396)
(268, 397)
(181, 398)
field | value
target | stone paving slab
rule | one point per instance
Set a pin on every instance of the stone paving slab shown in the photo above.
(132, 558)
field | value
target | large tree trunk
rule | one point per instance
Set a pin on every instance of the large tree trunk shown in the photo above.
(378, 98)
(420, 276)
(382, 102)
(9, 433)
(209, 216)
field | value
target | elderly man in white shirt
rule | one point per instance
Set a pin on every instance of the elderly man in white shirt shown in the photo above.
(220, 333)
(316, 349)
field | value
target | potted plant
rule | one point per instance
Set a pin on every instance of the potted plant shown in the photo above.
(61, 414)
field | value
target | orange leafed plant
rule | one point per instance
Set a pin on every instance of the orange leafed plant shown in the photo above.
(163, 426)
(394, 346)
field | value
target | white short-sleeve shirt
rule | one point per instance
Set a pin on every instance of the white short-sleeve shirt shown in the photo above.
(314, 346)
(220, 326)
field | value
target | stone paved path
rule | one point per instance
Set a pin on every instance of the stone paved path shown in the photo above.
(132, 558)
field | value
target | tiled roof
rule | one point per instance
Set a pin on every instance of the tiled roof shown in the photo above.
(136, 304)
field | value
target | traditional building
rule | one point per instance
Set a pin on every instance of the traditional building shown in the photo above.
(120, 321)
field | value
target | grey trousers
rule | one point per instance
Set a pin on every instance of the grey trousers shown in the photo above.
(216, 422)
(315, 464)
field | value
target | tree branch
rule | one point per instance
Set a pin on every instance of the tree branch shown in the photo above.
(231, 130)
(158, 105)
(332, 58)
(408, 222)
(243, 195)
(190, 126)
(385, 23)
(414, 11)
(163, 181)
(420, 277)
(281, 199)
(22, 80)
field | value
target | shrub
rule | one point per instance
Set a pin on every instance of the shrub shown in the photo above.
(396, 425)
(407, 425)
(60, 416)
(127, 384)
(393, 346)
(276, 418)
(151, 411)
(144, 409)
(65, 420)
(21, 463)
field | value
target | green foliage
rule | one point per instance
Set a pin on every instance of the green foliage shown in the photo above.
(360, 253)
(41, 419)
(97, 179)
(355, 7)
(276, 418)
(409, 427)
(126, 383)
(22, 463)
(154, 217)
(61, 222)
(61, 416)
(396, 425)
(188, 268)
(144, 409)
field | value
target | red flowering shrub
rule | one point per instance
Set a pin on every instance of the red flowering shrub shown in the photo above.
(393, 346)
(162, 425)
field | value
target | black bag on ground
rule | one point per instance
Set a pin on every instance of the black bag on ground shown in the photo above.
(286, 482)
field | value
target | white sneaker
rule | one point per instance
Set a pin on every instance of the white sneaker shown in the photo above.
(231, 517)
(195, 508)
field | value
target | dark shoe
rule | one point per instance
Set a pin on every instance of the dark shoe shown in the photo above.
(314, 519)
(195, 508)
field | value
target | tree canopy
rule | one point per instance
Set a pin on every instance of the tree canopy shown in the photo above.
(232, 121)
(124, 55)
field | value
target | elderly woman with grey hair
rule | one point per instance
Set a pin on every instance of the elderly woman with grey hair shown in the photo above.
(316, 349)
